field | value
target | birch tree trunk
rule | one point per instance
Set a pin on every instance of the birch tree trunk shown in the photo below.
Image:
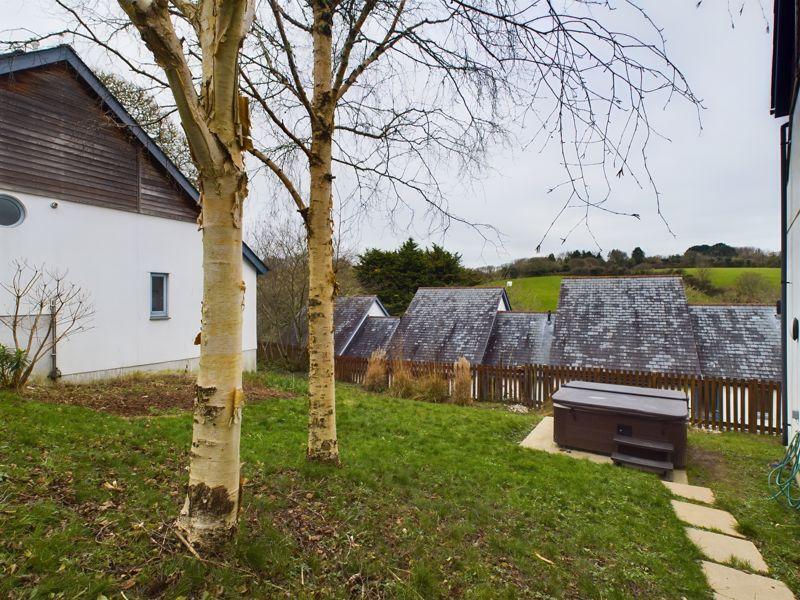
(323, 444)
(211, 507)
(215, 119)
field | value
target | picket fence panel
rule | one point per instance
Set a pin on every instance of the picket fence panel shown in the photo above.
(754, 406)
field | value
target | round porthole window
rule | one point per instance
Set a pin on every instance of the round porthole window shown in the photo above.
(11, 211)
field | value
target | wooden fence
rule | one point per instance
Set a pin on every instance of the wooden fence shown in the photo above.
(755, 406)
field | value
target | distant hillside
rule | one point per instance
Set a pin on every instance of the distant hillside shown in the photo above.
(703, 286)
(619, 262)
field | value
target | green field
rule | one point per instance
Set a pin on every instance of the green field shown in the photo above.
(541, 293)
(533, 293)
(725, 277)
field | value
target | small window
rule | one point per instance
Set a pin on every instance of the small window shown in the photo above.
(12, 212)
(158, 296)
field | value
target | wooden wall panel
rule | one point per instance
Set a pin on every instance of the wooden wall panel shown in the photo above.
(57, 140)
(154, 187)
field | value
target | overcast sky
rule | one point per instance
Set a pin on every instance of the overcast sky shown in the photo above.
(720, 183)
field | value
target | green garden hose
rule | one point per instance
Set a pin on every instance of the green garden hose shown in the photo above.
(785, 475)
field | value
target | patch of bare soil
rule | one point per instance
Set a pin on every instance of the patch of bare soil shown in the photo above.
(709, 464)
(138, 394)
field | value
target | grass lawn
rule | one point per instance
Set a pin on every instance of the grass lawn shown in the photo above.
(735, 466)
(541, 293)
(433, 501)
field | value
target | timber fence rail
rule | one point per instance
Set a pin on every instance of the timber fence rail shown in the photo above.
(749, 405)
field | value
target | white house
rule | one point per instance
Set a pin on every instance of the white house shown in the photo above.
(83, 189)
(784, 103)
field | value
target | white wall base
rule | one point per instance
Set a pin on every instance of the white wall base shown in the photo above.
(188, 365)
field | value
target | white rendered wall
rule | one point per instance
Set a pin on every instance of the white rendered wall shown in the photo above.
(375, 310)
(793, 275)
(111, 253)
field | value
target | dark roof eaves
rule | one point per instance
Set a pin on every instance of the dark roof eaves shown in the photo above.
(22, 61)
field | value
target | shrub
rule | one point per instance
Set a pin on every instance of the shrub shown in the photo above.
(431, 387)
(462, 382)
(12, 365)
(376, 378)
(402, 382)
(752, 287)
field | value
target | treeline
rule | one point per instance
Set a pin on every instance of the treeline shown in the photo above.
(395, 275)
(619, 262)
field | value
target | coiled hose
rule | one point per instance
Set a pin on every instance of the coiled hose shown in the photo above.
(785, 475)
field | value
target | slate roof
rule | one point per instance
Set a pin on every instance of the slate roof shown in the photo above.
(444, 324)
(375, 334)
(738, 341)
(633, 323)
(348, 314)
(520, 338)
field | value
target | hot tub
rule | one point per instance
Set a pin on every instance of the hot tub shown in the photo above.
(621, 420)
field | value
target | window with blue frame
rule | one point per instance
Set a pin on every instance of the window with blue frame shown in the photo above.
(159, 297)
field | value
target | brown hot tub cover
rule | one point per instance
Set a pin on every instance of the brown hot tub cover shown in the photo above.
(623, 399)
(599, 417)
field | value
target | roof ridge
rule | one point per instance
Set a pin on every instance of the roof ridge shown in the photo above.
(460, 287)
(730, 305)
(647, 276)
(357, 296)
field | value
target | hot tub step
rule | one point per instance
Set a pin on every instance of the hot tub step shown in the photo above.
(642, 443)
(645, 464)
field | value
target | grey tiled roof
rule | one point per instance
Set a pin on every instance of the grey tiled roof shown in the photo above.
(738, 341)
(638, 323)
(520, 338)
(444, 324)
(374, 334)
(348, 314)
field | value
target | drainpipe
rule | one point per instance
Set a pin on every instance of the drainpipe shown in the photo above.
(786, 143)
(54, 372)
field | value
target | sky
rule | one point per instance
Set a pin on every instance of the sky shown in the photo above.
(718, 177)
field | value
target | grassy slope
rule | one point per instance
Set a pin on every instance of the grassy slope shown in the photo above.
(533, 293)
(725, 278)
(541, 293)
(736, 466)
(432, 501)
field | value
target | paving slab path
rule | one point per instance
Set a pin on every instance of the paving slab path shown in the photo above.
(724, 548)
(732, 584)
(691, 492)
(706, 517)
(726, 582)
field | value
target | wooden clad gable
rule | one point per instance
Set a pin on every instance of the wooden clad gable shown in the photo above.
(58, 140)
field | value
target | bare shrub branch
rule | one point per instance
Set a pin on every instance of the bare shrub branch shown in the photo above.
(46, 310)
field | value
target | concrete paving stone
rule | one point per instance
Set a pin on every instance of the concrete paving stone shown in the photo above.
(722, 548)
(679, 476)
(706, 517)
(732, 584)
(692, 492)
